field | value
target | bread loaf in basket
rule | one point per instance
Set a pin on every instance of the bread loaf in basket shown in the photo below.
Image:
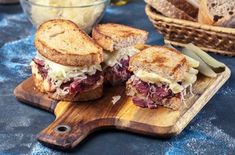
(180, 32)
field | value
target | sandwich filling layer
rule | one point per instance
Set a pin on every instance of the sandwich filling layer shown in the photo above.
(116, 65)
(64, 80)
(149, 89)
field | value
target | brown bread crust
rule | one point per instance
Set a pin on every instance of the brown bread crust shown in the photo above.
(168, 9)
(167, 62)
(112, 36)
(185, 6)
(63, 42)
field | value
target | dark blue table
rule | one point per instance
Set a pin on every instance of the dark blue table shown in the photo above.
(211, 132)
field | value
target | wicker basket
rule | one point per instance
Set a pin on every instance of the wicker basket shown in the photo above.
(180, 32)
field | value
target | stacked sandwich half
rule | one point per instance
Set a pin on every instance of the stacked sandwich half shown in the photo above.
(67, 64)
(161, 77)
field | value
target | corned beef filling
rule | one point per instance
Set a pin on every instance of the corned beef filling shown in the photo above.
(77, 86)
(72, 85)
(118, 73)
(150, 94)
(41, 67)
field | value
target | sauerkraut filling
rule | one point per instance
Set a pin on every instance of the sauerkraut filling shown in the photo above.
(148, 95)
(116, 65)
(63, 79)
(113, 58)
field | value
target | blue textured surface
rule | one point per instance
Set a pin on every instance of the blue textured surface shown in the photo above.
(211, 132)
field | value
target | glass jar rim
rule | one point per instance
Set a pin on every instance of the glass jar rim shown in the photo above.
(75, 6)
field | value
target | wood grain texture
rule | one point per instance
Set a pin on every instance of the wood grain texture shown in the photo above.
(27, 93)
(86, 117)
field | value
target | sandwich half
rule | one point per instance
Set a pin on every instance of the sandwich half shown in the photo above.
(161, 77)
(118, 42)
(67, 63)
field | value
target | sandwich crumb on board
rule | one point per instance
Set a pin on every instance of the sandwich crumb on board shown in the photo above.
(115, 99)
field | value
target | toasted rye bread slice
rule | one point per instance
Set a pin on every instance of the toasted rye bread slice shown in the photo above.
(63, 42)
(112, 37)
(166, 62)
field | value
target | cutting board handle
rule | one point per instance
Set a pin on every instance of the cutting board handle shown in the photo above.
(67, 130)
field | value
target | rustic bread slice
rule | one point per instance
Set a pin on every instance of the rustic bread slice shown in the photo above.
(113, 37)
(166, 62)
(175, 9)
(63, 42)
(217, 12)
(187, 6)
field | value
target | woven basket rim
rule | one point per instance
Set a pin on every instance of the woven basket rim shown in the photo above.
(154, 15)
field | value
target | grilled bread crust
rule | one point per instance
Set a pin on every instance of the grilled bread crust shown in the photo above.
(113, 37)
(63, 42)
(164, 61)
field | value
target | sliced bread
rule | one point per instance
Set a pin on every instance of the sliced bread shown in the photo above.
(217, 12)
(180, 9)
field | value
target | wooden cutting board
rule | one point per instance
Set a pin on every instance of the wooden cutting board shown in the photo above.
(74, 121)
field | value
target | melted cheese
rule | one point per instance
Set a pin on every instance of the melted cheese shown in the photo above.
(112, 58)
(150, 77)
(189, 79)
(174, 86)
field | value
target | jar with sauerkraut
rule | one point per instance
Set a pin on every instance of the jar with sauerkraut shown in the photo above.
(85, 13)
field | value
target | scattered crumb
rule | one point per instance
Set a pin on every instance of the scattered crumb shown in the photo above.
(115, 99)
